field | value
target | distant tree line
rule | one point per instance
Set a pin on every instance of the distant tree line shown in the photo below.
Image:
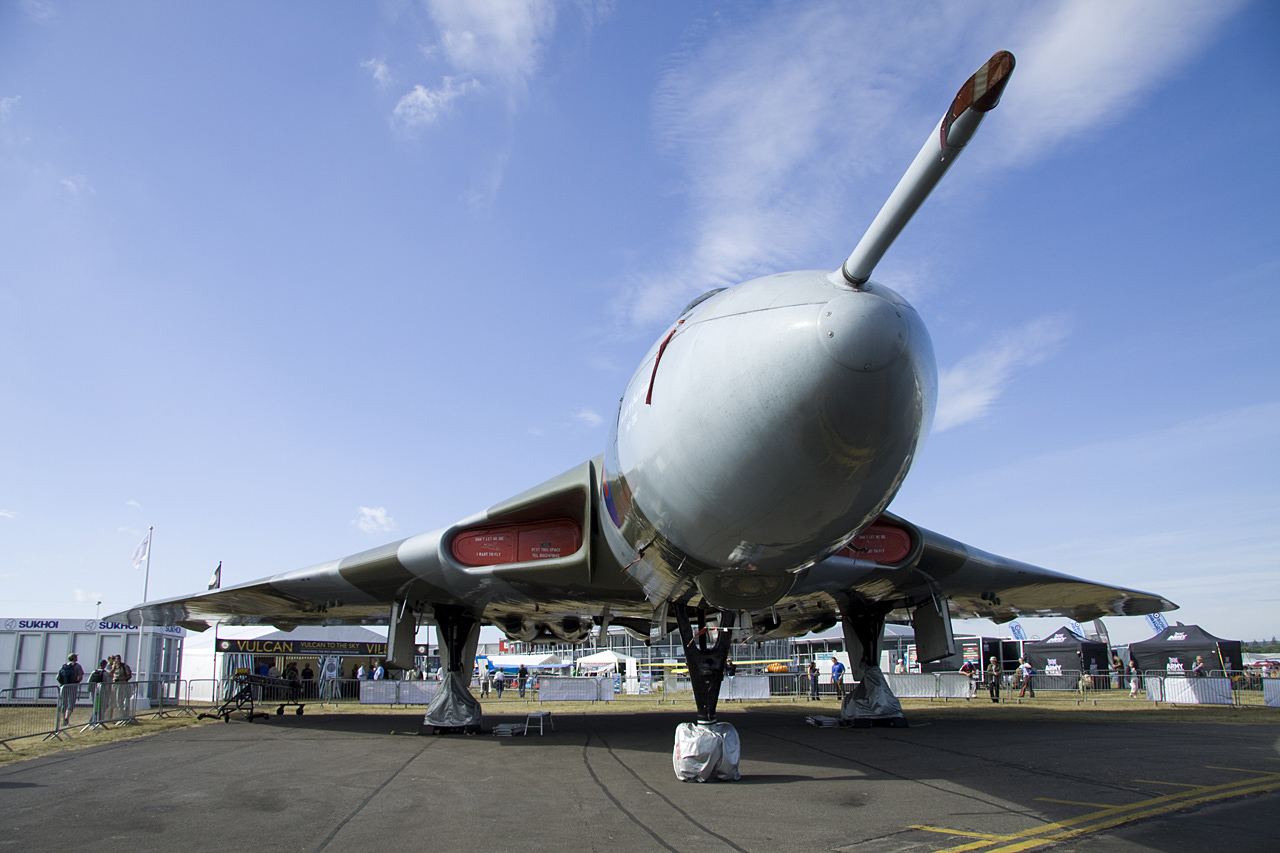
(1262, 646)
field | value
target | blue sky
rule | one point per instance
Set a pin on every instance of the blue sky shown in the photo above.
(287, 283)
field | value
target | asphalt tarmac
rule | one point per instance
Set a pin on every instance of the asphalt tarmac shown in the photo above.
(604, 782)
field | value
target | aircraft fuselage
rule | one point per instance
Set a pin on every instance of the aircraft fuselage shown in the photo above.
(771, 423)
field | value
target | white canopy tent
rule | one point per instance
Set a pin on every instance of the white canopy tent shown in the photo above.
(604, 660)
(611, 661)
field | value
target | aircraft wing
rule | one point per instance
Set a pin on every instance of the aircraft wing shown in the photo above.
(582, 581)
(975, 583)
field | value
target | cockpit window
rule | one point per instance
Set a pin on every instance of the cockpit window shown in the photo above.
(701, 299)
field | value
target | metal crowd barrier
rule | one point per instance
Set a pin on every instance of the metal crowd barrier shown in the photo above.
(55, 711)
(568, 688)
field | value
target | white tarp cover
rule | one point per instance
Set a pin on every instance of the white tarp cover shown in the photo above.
(418, 692)
(570, 689)
(1198, 691)
(704, 753)
(379, 692)
(871, 698)
(453, 705)
(1271, 692)
(745, 687)
(954, 685)
(910, 685)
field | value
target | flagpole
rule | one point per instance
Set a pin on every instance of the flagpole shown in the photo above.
(142, 620)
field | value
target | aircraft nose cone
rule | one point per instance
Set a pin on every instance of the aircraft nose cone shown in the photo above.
(862, 331)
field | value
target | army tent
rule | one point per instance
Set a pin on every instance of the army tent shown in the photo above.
(1061, 658)
(1174, 650)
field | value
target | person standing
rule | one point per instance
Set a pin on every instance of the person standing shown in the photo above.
(69, 678)
(837, 677)
(970, 672)
(97, 694)
(1135, 680)
(813, 682)
(1199, 670)
(1024, 675)
(522, 678)
(497, 682)
(994, 674)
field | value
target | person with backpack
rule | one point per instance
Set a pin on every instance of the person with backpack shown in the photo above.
(69, 678)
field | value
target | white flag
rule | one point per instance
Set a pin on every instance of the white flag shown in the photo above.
(215, 580)
(140, 554)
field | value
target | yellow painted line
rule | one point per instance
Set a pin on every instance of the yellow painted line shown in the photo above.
(1119, 820)
(1234, 769)
(1075, 803)
(1117, 815)
(985, 835)
(1172, 784)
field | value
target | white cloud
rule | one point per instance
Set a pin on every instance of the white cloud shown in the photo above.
(588, 418)
(779, 123)
(133, 504)
(77, 185)
(7, 105)
(378, 68)
(374, 520)
(40, 11)
(8, 513)
(1088, 61)
(424, 106)
(498, 41)
(81, 595)
(967, 389)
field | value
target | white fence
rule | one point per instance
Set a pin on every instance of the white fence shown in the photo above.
(563, 688)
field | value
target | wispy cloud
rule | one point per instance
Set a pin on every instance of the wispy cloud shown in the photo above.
(40, 11)
(379, 69)
(77, 185)
(498, 41)
(967, 389)
(8, 513)
(7, 106)
(133, 504)
(81, 595)
(423, 106)
(374, 520)
(777, 122)
(1087, 61)
(588, 418)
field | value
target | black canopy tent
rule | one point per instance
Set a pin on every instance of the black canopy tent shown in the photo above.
(1063, 655)
(1175, 649)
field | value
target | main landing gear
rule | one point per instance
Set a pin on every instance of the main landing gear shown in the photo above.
(871, 702)
(707, 749)
(453, 709)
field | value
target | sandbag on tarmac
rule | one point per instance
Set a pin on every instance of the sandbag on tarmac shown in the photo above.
(707, 752)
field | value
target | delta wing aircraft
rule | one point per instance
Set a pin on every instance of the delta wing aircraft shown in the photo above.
(743, 492)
